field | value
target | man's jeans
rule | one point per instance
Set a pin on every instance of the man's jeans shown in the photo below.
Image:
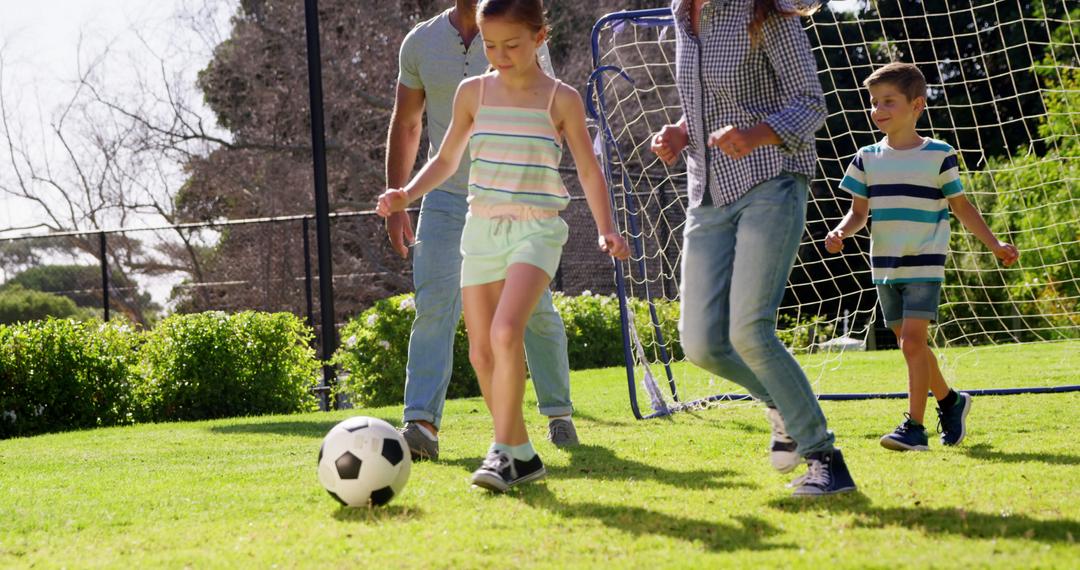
(736, 261)
(437, 279)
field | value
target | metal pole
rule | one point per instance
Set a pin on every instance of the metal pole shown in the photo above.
(322, 202)
(307, 274)
(104, 275)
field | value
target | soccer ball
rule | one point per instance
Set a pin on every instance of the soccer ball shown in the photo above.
(364, 461)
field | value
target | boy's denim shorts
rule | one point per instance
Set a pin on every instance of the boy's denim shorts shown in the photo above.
(909, 301)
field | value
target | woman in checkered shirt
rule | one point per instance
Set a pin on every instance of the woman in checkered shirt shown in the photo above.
(752, 102)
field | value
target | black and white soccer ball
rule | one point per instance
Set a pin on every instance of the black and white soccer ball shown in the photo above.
(364, 461)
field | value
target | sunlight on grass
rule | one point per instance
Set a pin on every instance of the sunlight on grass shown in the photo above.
(693, 491)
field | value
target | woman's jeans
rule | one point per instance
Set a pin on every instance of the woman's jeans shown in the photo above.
(735, 265)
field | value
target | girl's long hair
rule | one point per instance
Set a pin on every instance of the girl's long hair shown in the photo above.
(529, 13)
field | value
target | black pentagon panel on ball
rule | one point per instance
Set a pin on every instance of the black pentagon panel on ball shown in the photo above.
(359, 426)
(391, 450)
(337, 498)
(382, 496)
(348, 466)
(321, 447)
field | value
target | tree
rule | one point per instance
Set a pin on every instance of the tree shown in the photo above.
(18, 304)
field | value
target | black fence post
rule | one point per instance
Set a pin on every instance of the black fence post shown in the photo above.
(104, 275)
(322, 202)
(307, 274)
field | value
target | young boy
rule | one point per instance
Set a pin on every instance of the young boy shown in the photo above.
(910, 183)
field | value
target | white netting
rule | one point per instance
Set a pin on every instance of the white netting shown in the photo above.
(1004, 89)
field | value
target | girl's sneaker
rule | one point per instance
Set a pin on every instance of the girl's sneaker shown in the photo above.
(908, 436)
(953, 422)
(500, 471)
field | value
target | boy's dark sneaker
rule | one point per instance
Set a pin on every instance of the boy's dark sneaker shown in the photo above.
(952, 423)
(826, 474)
(500, 471)
(908, 436)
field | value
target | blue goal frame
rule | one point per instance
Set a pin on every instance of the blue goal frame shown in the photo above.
(597, 110)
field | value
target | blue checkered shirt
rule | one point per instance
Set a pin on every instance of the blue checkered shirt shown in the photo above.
(722, 80)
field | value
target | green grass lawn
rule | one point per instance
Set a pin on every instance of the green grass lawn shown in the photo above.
(692, 491)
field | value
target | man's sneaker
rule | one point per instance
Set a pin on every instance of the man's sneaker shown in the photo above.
(500, 471)
(826, 474)
(781, 447)
(562, 432)
(420, 445)
(952, 423)
(908, 436)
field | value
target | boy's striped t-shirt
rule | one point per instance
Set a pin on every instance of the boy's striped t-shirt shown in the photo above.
(908, 192)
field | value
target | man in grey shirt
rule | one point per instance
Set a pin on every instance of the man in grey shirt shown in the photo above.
(435, 56)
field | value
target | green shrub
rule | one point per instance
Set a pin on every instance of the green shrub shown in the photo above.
(375, 348)
(214, 365)
(375, 345)
(18, 304)
(65, 374)
(594, 329)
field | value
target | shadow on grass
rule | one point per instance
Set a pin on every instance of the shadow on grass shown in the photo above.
(299, 428)
(986, 452)
(607, 422)
(936, 521)
(601, 464)
(378, 515)
(747, 533)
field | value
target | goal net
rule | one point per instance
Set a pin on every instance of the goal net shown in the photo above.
(1004, 90)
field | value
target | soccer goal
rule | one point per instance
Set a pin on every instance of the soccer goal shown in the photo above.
(1004, 89)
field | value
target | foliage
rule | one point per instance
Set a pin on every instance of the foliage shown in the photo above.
(213, 365)
(691, 491)
(80, 283)
(65, 374)
(375, 349)
(19, 304)
(1029, 200)
(802, 335)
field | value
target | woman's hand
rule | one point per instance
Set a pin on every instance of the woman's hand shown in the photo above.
(614, 245)
(391, 201)
(738, 143)
(669, 143)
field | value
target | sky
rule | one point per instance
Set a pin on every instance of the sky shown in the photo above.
(43, 41)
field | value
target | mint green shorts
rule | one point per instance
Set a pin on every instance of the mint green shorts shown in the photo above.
(489, 246)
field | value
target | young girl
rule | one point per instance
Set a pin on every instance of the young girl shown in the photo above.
(515, 120)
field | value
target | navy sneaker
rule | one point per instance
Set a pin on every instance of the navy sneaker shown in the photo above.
(908, 436)
(952, 423)
(826, 474)
(500, 471)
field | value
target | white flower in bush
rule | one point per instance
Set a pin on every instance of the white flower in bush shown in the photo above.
(372, 319)
(407, 303)
(384, 344)
(351, 342)
(10, 415)
(586, 293)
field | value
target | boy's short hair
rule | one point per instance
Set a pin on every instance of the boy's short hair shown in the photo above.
(904, 76)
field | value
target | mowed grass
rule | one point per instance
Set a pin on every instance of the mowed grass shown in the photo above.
(691, 491)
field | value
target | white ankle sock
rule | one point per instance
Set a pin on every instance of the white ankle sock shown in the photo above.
(424, 430)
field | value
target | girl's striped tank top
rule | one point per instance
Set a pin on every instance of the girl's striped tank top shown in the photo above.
(515, 154)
